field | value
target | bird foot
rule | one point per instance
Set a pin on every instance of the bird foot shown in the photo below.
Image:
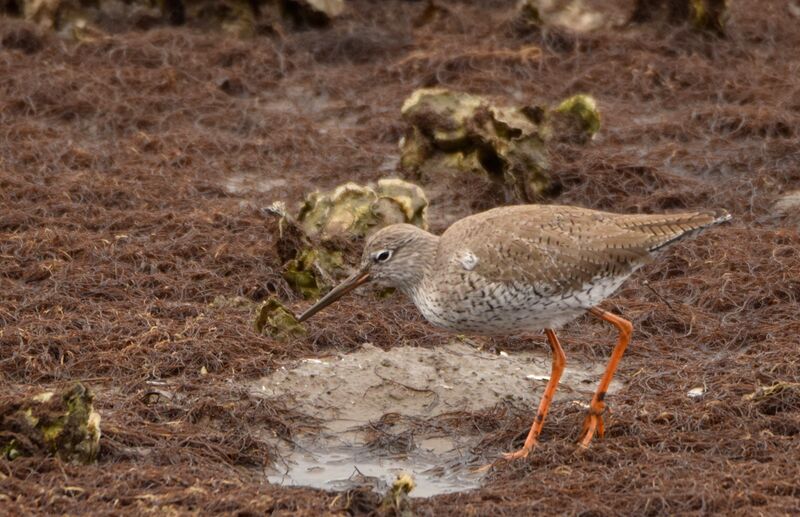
(522, 453)
(593, 423)
(507, 457)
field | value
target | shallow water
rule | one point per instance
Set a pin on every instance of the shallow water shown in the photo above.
(343, 468)
(375, 393)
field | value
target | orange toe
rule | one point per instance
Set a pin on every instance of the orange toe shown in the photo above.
(506, 457)
(522, 453)
(591, 425)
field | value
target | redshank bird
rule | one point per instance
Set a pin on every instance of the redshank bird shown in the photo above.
(519, 269)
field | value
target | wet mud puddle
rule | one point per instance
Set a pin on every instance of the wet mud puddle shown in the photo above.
(387, 412)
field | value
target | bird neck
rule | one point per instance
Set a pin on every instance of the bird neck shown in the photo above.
(426, 248)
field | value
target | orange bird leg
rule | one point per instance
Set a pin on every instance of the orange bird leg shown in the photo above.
(594, 420)
(559, 360)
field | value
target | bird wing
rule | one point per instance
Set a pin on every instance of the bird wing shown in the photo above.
(558, 248)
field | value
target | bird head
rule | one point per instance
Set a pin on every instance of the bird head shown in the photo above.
(395, 256)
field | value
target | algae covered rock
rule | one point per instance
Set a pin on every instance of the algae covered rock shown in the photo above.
(454, 133)
(42, 12)
(69, 17)
(703, 15)
(528, 14)
(356, 210)
(576, 118)
(581, 16)
(237, 17)
(450, 131)
(311, 272)
(311, 245)
(60, 423)
(81, 19)
(274, 319)
(249, 17)
(312, 12)
(309, 265)
(709, 15)
(574, 15)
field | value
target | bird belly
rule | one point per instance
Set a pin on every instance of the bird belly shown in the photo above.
(501, 309)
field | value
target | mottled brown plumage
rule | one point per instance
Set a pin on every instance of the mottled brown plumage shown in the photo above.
(563, 247)
(522, 268)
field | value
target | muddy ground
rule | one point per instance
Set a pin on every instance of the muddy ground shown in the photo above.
(133, 169)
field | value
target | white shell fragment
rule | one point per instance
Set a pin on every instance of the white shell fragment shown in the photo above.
(696, 393)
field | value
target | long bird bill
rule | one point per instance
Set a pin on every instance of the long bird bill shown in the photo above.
(353, 281)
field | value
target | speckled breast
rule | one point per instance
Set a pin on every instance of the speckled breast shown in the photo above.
(472, 305)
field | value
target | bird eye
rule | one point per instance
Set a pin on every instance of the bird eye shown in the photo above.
(383, 256)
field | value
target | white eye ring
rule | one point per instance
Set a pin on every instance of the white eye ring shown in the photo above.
(382, 256)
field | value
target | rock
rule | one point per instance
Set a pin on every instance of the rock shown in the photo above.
(575, 15)
(355, 210)
(274, 319)
(709, 15)
(63, 424)
(312, 272)
(704, 15)
(310, 243)
(65, 16)
(42, 12)
(528, 15)
(237, 17)
(310, 265)
(400, 199)
(245, 18)
(454, 132)
(576, 119)
(312, 12)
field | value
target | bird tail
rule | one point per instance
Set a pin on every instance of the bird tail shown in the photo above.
(664, 229)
